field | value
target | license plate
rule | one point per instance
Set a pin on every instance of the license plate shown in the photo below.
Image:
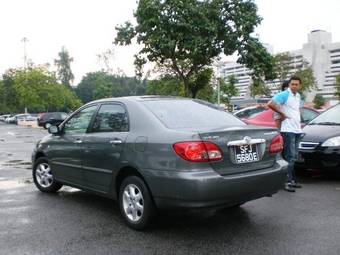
(246, 153)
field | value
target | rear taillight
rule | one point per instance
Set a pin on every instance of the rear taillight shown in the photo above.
(277, 145)
(198, 151)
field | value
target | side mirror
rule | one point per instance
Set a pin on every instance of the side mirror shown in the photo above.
(54, 130)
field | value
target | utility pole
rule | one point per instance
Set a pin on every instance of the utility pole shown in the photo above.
(218, 92)
(25, 41)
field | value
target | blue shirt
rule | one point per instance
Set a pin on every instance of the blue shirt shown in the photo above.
(290, 105)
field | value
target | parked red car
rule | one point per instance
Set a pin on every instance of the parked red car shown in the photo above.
(263, 116)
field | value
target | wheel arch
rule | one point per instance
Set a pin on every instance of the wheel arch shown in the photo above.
(39, 154)
(122, 174)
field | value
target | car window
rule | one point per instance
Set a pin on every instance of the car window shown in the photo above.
(111, 118)
(331, 116)
(250, 113)
(190, 114)
(63, 115)
(54, 115)
(46, 116)
(253, 114)
(307, 115)
(80, 121)
(242, 114)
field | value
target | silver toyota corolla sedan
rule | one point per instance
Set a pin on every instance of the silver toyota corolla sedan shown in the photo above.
(153, 153)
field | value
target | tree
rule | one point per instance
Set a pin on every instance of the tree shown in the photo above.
(167, 85)
(97, 85)
(199, 81)
(37, 89)
(259, 88)
(3, 107)
(308, 81)
(228, 89)
(318, 101)
(337, 86)
(64, 71)
(10, 99)
(170, 85)
(183, 37)
(282, 66)
(105, 58)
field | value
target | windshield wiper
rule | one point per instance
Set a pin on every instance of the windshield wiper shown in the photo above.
(326, 123)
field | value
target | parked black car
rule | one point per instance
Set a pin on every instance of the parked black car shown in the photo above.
(320, 146)
(51, 118)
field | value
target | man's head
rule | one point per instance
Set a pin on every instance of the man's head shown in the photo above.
(294, 84)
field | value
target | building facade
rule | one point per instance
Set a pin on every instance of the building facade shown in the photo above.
(320, 53)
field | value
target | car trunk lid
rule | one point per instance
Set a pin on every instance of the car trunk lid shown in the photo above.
(238, 142)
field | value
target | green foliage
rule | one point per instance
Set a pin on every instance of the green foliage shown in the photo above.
(259, 88)
(307, 78)
(200, 81)
(64, 71)
(166, 86)
(318, 101)
(183, 37)
(228, 89)
(97, 85)
(282, 66)
(337, 86)
(3, 106)
(170, 85)
(207, 94)
(36, 89)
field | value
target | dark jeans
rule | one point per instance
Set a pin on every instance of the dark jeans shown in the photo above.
(290, 152)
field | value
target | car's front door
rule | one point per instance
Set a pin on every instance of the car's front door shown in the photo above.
(103, 145)
(66, 154)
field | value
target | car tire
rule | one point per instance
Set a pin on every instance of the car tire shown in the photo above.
(47, 125)
(135, 203)
(43, 177)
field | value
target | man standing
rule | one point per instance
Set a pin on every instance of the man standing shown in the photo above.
(287, 103)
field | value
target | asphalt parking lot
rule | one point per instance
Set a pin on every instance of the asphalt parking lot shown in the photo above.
(75, 222)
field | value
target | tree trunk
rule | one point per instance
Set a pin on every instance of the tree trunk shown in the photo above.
(186, 87)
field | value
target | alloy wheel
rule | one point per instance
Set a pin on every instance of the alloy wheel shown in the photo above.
(43, 175)
(133, 202)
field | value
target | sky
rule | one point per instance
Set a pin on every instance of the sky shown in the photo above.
(86, 29)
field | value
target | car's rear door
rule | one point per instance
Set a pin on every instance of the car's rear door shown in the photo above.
(103, 145)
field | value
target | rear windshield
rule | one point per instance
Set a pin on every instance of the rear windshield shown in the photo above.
(177, 114)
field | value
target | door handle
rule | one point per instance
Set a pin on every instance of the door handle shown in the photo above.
(116, 141)
(78, 141)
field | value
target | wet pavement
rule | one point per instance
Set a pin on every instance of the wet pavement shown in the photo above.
(76, 222)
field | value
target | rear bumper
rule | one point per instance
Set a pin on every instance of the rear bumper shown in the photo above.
(209, 189)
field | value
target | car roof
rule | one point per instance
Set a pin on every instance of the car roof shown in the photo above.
(139, 98)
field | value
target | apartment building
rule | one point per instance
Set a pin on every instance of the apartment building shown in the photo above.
(320, 53)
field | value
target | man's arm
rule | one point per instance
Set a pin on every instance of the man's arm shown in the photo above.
(275, 108)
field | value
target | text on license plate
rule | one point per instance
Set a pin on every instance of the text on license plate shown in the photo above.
(246, 153)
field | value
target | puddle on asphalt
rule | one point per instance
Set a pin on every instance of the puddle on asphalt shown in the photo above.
(12, 184)
(16, 163)
(26, 181)
(24, 136)
(8, 184)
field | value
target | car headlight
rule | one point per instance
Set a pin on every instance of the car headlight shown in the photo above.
(332, 142)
